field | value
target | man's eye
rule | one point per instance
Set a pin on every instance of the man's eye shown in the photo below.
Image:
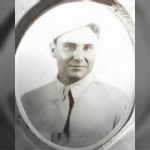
(88, 47)
(70, 46)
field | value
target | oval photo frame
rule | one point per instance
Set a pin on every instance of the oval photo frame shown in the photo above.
(22, 27)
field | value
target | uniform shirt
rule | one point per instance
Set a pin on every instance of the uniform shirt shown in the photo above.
(97, 109)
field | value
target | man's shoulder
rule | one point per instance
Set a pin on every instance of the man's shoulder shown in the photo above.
(109, 91)
(39, 96)
(41, 91)
(102, 85)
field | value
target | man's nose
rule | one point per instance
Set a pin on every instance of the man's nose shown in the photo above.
(78, 54)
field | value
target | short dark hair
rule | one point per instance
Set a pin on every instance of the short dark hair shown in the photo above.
(94, 27)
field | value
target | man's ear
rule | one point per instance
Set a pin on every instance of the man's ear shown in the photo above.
(52, 48)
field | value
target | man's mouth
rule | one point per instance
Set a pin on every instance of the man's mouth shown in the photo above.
(77, 66)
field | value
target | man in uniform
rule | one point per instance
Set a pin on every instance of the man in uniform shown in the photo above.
(76, 109)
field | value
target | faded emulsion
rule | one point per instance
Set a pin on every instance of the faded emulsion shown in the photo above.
(73, 77)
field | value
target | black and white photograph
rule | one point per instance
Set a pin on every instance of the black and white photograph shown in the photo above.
(75, 78)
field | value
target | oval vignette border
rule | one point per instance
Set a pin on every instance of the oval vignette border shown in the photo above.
(23, 26)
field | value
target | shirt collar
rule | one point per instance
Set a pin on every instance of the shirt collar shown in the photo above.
(76, 88)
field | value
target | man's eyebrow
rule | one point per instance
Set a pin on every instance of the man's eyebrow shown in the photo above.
(69, 43)
(89, 44)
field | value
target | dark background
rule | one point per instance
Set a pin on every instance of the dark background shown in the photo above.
(142, 75)
(7, 75)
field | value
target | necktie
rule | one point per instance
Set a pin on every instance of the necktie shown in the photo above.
(67, 124)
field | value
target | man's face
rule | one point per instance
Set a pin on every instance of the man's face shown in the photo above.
(75, 53)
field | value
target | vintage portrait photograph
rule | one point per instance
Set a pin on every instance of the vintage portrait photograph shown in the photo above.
(75, 77)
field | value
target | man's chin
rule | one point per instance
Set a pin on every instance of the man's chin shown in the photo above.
(76, 77)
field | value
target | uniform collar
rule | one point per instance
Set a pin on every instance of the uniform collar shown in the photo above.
(76, 88)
